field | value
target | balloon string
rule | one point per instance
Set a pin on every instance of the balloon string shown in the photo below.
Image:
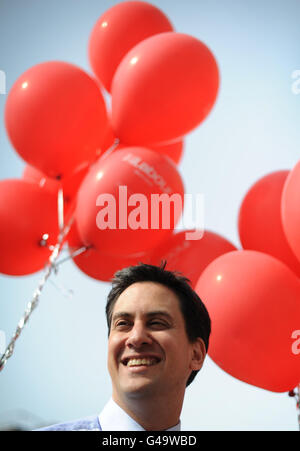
(110, 149)
(30, 307)
(51, 266)
(66, 292)
(60, 205)
(296, 394)
(74, 254)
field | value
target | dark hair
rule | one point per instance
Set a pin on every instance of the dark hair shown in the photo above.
(196, 317)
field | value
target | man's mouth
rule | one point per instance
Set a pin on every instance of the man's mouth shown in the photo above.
(141, 362)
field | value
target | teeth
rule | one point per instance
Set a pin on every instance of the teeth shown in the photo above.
(136, 362)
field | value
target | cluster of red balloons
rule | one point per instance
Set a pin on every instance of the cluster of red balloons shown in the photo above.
(160, 85)
(253, 295)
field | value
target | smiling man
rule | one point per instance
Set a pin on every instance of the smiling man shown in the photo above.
(157, 342)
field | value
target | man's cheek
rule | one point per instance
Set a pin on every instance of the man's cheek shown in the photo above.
(115, 350)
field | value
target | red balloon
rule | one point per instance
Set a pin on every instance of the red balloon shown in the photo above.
(163, 88)
(118, 30)
(190, 257)
(32, 174)
(27, 212)
(97, 264)
(260, 225)
(253, 301)
(56, 118)
(290, 209)
(69, 185)
(127, 185)
(172, 150)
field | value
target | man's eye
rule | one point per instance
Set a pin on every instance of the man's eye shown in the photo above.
(122, 323)
(158, 323)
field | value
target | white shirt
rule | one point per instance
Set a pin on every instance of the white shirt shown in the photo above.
(114, 418)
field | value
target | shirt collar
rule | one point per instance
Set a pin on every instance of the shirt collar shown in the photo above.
(113, 418)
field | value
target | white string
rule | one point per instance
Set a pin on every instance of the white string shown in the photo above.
(60, 202)
(51, 266)
(30, 307)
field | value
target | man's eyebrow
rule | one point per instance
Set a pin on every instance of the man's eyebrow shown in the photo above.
(118, 315)
(160, 313)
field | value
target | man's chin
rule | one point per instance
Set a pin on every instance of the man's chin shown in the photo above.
(140, 388)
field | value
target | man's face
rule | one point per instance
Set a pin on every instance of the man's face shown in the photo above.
(148, 349)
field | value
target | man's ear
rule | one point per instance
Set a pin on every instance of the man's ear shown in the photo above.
(199, 353)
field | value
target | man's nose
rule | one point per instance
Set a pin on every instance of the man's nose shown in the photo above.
(138, 336)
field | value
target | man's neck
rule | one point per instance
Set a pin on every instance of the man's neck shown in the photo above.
(152, 414)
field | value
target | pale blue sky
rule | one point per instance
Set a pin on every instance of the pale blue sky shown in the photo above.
(58, 371)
